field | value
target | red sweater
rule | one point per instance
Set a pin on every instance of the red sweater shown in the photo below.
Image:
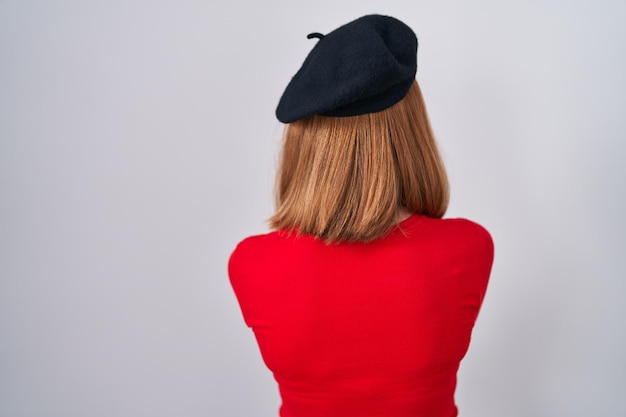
(365, 329)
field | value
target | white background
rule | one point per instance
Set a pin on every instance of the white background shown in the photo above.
(138, 145)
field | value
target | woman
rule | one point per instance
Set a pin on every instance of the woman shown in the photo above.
(363, 299)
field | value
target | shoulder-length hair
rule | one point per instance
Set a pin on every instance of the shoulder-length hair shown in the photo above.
(346, 178)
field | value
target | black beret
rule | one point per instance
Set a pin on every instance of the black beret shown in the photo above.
(362, 67)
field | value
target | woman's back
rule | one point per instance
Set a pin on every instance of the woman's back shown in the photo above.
(365, 329)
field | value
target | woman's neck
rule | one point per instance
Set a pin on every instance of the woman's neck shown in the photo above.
(402, 214)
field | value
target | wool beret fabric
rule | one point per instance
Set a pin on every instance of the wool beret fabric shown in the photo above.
(364, 66)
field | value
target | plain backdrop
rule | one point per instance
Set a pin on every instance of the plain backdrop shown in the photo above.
(138, 145)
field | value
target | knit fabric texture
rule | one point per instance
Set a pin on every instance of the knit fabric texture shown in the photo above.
(372, 329)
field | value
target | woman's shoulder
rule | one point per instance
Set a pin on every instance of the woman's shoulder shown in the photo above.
(451, 232)
(259, 241)
(261, 247)
(458, 225)
(245, 252)
(253, 243)
(469, 227)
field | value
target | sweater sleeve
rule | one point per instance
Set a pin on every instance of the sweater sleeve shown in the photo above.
(485, 246)
(237, 266)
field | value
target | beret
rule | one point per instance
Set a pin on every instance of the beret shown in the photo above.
(364, 66)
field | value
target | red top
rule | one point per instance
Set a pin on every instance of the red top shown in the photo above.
(365, 329)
